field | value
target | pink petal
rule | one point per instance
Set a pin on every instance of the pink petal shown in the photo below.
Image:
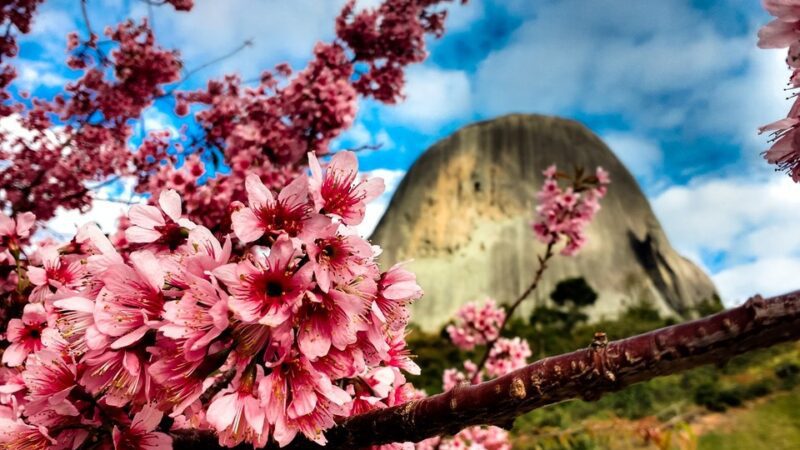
(130, 338)
(258, 195)
(777, 34)
(15, 354)
(246, 225)
(148, 265)
(227, 274)
(222, 411)
(37, 275)
(131, 363)
(7, 225)
(146, 216)
(345, 162)
(303, 402)
(295, 193)
(147, 419)
(313, 164)
(314, 339)
(254, 413)
(24, 223)
(170, 203)
(372, 188)
(34, 314)
(15, 331)
(139, 235)
(156, 441)
(96, 340)
(75, 304)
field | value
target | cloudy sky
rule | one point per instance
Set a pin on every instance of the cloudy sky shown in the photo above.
(676, 88)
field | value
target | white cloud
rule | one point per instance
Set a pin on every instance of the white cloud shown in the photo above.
(771, 276)
(654, 64)
(153, 119)
(33, 74)
(433, 97)
(359, 136)
(377, 207)
(50, 26)
(641, 156)
(110, 202)
(280, 31)
(737, 106)
(459, 16)
(750, 223)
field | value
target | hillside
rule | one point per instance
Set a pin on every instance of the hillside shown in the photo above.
(462, 213)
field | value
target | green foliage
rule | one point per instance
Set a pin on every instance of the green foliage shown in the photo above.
(434, 353)
(717, 388)
(574, 292)
(709, 306)
(774, 424)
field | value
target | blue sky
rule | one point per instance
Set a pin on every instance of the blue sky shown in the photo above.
(676, 88)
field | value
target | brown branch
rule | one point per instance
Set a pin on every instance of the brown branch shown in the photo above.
(588, 374)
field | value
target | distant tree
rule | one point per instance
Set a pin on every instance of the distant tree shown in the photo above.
(575, 291)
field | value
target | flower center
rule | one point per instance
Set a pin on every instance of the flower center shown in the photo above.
(274, 289)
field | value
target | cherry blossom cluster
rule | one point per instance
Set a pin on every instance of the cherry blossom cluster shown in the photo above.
(15, 17)
(480, 325)
(782, 32)
(564, 213)
(93, 117)
(277, 329)
(472, 438)
(269, 128)
(476, 325)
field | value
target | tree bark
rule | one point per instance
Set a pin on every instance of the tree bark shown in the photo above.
(589, 373)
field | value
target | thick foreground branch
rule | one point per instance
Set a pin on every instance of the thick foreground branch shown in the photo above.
(589, 373)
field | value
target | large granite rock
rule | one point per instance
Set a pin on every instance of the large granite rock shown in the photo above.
(462, 213)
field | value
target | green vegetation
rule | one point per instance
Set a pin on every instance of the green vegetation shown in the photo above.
(774, 424)
(768, 373)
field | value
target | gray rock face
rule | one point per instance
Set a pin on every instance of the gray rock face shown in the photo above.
(463, 214)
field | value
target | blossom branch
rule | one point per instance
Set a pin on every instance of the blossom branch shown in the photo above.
(589, 373)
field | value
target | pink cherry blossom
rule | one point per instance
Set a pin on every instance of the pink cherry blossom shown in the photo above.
(564, 213)
(131, 300)
(266, 289)
(49, 379)
(198, 318)
(119, 376)
(57, 273)
(269, 215)
(336, 191)
(476, 325)
(25, 335)
(298, 398)
(76, 324)
(151, 225)
(13, 230)
(397, 289)
(337, 258)
(507, 355)
(141, 434)
(331, 319)
(237, 412)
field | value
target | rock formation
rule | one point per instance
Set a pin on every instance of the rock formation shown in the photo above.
(462, 213)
